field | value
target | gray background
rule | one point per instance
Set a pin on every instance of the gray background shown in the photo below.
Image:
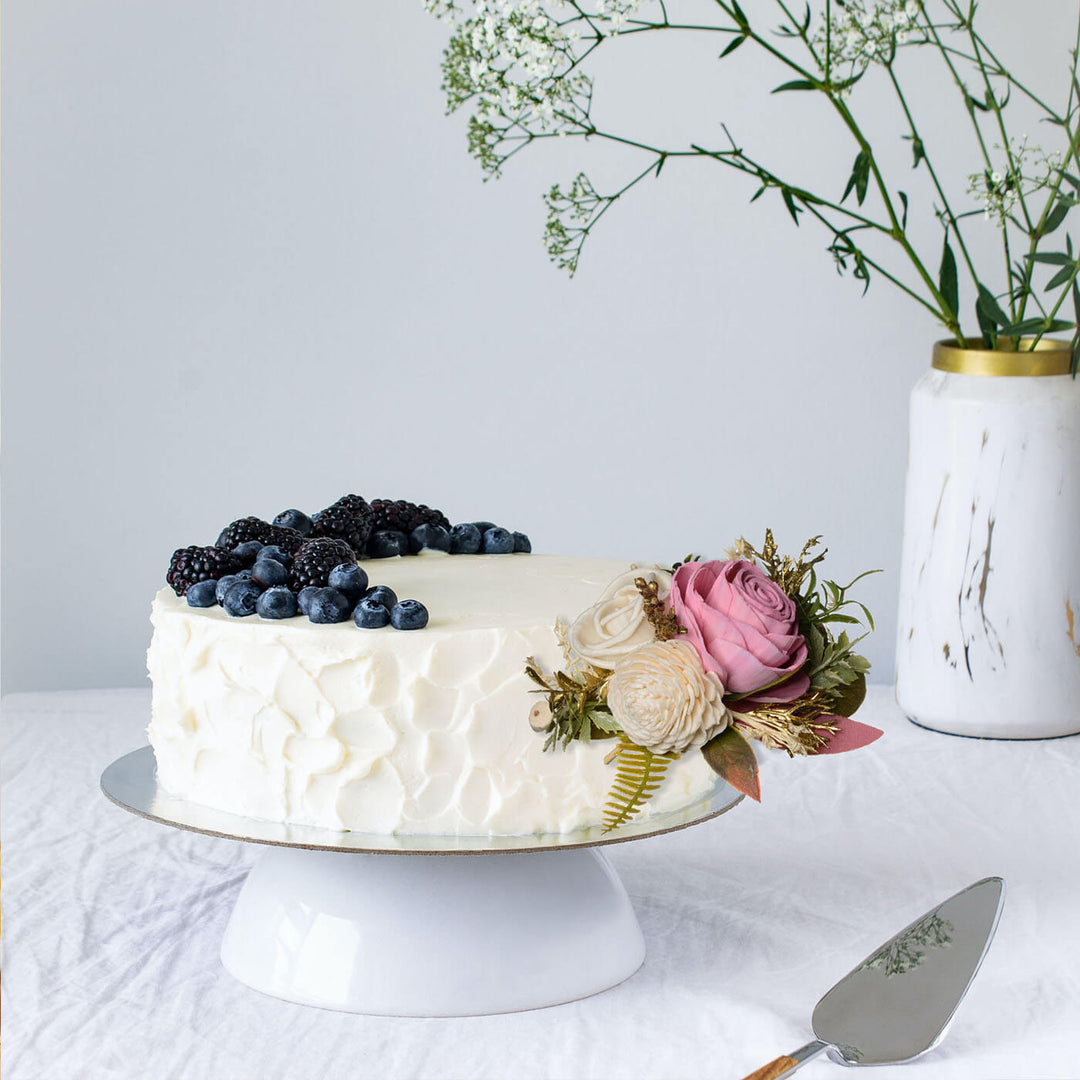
(249, 265)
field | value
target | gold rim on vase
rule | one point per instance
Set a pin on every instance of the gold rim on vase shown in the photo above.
(1049, 357)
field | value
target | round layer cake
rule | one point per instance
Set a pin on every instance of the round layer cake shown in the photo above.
(387, 731)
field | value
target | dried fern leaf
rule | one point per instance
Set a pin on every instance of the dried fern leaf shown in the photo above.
(639, 774)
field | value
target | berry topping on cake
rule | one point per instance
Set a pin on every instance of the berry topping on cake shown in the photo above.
(294, 519)
(248, 551)
(408, 615)
(253, 528)
(275, 552)
(498, 541)
(314, 560)
(432, 537)
(276, 603)
(202, 593)
(349, 519)
(465, 539)
(402, 516)
(329, 606)
(191, 564)
(381, 594)
(370, 615)
(303, 597)
(268, 573)
(386, 543)
(349, 579)
(241, 598)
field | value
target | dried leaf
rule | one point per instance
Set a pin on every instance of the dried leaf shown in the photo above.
(732, 758)
(849, 735)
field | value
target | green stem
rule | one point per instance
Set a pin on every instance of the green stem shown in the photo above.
(1065, 291)
(896, 232)
(933, 174)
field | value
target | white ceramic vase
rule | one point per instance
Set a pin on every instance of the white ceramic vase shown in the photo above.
(988, 640)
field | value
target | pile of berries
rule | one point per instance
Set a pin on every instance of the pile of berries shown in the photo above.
(301, 565)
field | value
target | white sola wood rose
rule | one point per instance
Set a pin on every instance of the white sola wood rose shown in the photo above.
(989, 616)
(616, 624)
(664, 700)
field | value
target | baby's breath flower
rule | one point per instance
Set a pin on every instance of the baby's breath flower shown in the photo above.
(1025, 170)
(571, 214)
(865, 32)
(515, 62)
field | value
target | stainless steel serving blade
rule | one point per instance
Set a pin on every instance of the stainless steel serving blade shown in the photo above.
(898, 1002)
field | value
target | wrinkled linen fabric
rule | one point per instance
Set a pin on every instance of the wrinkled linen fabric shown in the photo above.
(112, 924)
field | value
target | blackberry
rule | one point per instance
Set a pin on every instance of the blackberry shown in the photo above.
(253, 528)
(349, 519)
(402, 516)
(315, 559)
(191, 564)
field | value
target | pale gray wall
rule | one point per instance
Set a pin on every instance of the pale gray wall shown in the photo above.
(249, 265)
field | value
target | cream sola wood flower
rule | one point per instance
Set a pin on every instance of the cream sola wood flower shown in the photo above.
(664, 700)
(616, 625)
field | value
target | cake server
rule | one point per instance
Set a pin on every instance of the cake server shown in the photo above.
(898, 1002)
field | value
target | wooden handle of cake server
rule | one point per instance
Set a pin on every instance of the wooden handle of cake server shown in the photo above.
(774, 1069)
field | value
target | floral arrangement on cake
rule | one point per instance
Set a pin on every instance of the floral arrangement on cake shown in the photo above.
(708, 655)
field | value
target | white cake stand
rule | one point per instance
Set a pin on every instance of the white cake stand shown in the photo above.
(372, 924)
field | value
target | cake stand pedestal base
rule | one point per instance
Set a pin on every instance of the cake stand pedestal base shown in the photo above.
(430, 935)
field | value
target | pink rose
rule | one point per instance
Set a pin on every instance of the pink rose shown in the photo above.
(743, 626)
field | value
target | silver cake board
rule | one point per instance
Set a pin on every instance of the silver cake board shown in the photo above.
(370, 923)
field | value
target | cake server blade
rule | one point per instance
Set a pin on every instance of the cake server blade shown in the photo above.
(898, 1002)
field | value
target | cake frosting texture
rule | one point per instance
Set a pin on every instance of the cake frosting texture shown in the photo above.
(382, 730)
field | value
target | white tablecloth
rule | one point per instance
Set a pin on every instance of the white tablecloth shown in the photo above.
(112, 924)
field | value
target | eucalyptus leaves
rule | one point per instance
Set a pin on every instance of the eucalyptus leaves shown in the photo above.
(521, 66)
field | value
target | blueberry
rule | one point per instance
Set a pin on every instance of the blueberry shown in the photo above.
(498, 541)
(435, 537)
(248, 551)
(269, 572)
(408, 615)
(223, 586)
(202, 593)
(483, 526)
(294, 519)
(370, 615)
(272, 551)
(522, 542)
(349, 579)
(303, 598)
(381, 594)
(277, 603)
(329, 606)
(241, 598)
(465, 539)
(387, 543)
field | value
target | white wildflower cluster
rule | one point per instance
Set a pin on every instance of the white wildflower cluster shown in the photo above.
(1024, 170)
(616, 13)
(570, 216)
(864, 32)
(515, 62)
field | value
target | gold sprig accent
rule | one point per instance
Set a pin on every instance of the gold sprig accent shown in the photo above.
(787, 572)
(664, 623)
(578, 704)
(797, 727)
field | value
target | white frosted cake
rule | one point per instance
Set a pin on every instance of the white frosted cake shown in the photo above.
(384, 731)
